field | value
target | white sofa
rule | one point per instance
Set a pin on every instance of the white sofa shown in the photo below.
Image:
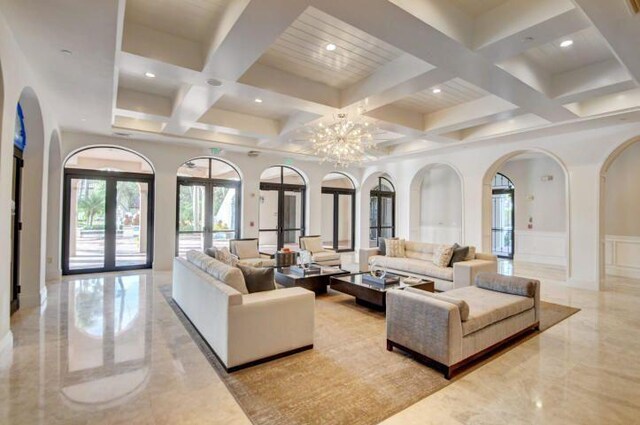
(418, 262)
(242, 329)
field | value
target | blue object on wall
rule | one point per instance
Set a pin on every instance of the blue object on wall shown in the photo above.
(20, 136)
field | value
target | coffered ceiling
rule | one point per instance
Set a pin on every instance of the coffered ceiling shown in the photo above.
(432, 74)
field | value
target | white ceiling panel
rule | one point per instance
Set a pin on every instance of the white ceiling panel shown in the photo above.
(478, 7)
(250, 107)
(190, 19)
(453, 92)
(301, 50)
(158, 86)
(588, 47)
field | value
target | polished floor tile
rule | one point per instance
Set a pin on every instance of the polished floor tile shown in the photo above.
(107, 349)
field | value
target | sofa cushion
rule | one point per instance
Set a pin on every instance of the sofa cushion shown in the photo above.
(246, 248)
(223, 255)
(197, 258)
(462, 305)
(257, 262)
(442, 255)
(228, 275)
(419, 250)
(325, 256)
(487, 307)
(507, 284)
(395, 248)
(313, 244)
(411, 265)
(471, 255)
(258, 279)
(211, 252)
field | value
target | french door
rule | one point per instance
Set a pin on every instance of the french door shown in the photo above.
(283, 214)
(382, 216)
(108, 221)
(16, 228)
(339, 232)
(208, 213)
(502, 229)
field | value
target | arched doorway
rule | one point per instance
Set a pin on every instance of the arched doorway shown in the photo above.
(619, 210)
(382, 211)
(208, 199)
(503, 216)
(436, 205)
(108, 211)
(282, 208)
(339, 212)
(540, 213)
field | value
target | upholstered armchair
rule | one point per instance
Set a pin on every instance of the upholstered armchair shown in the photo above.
(247, 253)
(319, 255)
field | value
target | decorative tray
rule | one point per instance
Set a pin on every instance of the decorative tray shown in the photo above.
(312, 270)
(380, 281)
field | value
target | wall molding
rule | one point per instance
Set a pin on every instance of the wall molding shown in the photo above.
(543, 247)
(622, 256)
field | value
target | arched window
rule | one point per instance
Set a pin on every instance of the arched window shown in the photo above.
(382, 211)
(503, 216)
(208, 204)
(108, 211)
(282, 208)
(339, 207)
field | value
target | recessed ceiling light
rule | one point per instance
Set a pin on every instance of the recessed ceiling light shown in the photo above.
(149, 74)
(436, 91)
(257, 100)
(566, 43)
(214, 83)
(66, 52)
(331, 47)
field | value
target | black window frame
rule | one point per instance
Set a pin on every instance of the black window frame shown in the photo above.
(337, 192)
(378, 194)
(507, 189)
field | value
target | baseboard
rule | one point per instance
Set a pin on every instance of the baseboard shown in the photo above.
(6, 348)
(628, 272)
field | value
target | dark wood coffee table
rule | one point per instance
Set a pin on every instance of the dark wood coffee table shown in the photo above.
(371, 295)
(316, 282)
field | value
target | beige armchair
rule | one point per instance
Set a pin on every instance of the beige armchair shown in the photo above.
(319, 254)
(247, 253)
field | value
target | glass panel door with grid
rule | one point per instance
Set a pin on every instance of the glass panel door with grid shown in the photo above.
(502, 230)
(191, 217)
(87, 201)
(132, 226)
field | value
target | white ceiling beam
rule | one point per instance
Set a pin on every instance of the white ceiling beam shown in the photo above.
(619, 27)
(498, 45)
(510, 125)
(611, 103)
(409, 33)
(469, 114)
(396, 72)
(237, 123)
(591, 81)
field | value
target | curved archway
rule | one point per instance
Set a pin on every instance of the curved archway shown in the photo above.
(437, 204)
(108, 210)
(338, 227)
(29, 239)
(541, 208)
(282, 210)
(209, 204)
(618, 212)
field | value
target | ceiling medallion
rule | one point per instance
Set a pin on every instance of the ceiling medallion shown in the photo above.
(343, 141)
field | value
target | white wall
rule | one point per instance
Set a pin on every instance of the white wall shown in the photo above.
(440, 205)
(622, 214)
(542, 200)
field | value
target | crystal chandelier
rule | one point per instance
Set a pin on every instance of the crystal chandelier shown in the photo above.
(343, 141)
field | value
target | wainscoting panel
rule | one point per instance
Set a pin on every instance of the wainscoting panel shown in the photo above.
(440, 234)
(622, 256)
(534, 246)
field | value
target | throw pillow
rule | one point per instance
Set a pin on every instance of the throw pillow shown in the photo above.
(258, 279)
(211, 252)
(382, 246)
(471, 255)
(223, 255)
(459, 254)
(395, 248)
(442, 255)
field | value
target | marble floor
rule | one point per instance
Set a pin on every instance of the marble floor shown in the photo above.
(107, 349)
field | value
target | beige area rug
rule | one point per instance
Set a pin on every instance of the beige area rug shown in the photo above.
(348, 378)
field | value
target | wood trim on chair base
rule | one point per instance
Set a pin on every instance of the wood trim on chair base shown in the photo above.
(451, 371)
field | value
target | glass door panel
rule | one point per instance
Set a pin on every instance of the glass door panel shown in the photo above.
(345, 222)
(502, 223)
(191, 218)
(132, 214)
(224, 210)
(87, 214)
(268, 220)
(386, 211)
(292, 218)
(327, 219)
